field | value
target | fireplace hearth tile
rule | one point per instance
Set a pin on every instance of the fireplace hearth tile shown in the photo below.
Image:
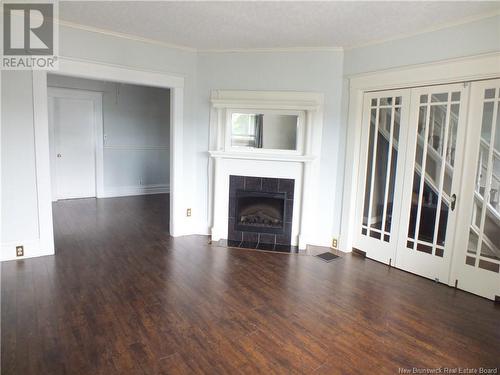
(232, 243)
(251, 237)
(286, 248)
(260, 246)
(265, 246)
(248, 245)
(267, 238)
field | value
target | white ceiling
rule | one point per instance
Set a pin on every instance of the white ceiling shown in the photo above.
(254, 25)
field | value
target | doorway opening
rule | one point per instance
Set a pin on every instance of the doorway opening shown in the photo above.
(109, 155)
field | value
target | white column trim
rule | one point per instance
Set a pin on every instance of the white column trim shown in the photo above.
(42, 162)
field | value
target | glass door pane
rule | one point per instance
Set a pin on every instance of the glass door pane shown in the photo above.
(433, 170)
(483, 246)
(381, 164)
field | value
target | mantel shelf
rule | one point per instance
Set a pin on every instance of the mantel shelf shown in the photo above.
(261, 156)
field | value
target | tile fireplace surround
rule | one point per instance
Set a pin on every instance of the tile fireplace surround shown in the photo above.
(259, 237)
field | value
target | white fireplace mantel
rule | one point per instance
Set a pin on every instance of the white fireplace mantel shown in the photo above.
(301, 165)
(261, 156)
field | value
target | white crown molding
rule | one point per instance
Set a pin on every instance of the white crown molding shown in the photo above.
(272, 49)
(490, 62)
(427, 30)
(193, 49)
(117, 34)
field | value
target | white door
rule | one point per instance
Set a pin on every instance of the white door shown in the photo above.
(72, 115)
(477, 264)
(432, 180)
(385, 124)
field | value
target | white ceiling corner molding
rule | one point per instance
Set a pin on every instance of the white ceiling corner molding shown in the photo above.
(275, 49)
(300, 164)
(441, 26)
(116, 34)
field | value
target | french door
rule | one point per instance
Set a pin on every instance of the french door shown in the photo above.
(476, 267)
(432, 177)
(429, 191)
(384, 131)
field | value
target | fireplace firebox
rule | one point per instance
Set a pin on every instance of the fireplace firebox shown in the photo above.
(260, 213)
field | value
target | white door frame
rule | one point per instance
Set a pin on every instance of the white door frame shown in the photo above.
(115, 73)
(473, 68)
(96, 97)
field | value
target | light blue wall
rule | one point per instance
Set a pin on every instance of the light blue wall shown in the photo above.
(19, 194)
(469, 39)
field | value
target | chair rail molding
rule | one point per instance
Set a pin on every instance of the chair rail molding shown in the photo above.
(466, 69)
(301, 164)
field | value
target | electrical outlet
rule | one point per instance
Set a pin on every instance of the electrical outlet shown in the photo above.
(19, 251)
(188, 212)
(334, 243)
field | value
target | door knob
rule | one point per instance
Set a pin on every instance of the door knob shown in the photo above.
(59, 155)
(453, 202)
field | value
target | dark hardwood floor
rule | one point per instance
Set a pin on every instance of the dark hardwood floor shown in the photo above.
(122, 297)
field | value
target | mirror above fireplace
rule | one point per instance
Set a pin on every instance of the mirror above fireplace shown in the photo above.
(273, 131)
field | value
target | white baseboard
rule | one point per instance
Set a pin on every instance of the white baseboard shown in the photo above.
(123, 191)
(202, 229)
(32, 249)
